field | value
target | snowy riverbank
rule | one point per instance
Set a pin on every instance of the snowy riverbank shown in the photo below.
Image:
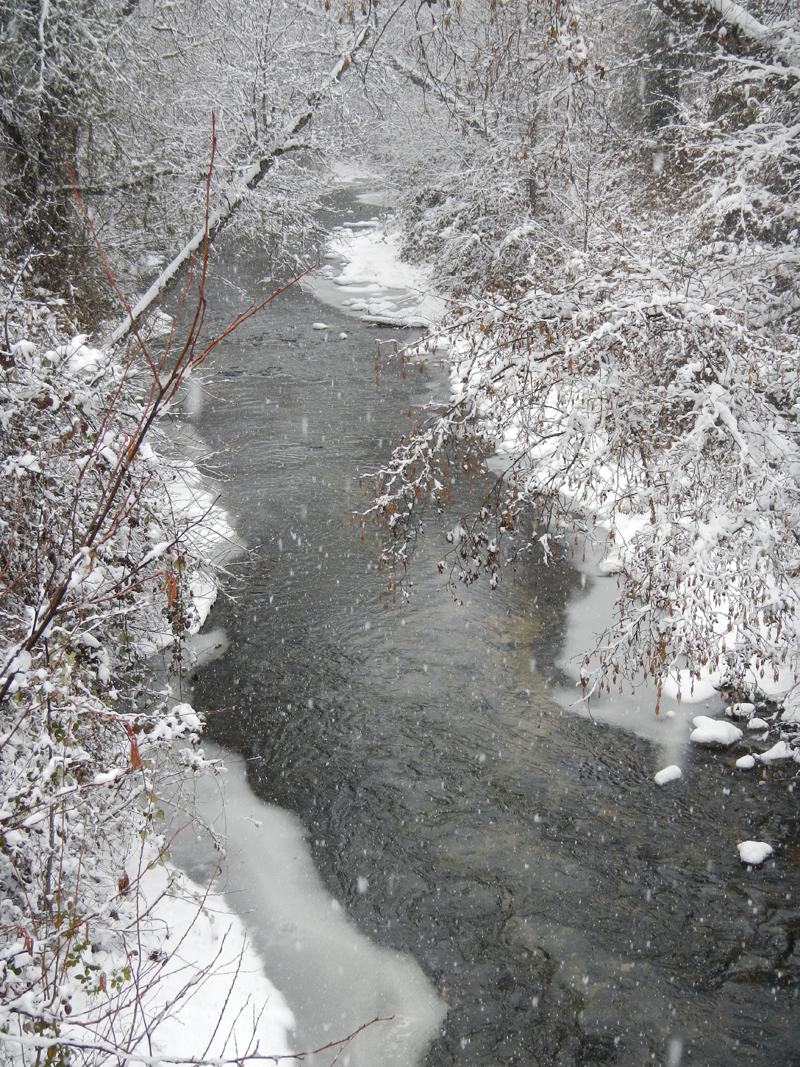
(107, 949)
(364, 274)
(694, 712)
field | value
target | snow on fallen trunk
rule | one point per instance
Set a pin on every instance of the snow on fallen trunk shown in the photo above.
(239, 190)
(714, 732)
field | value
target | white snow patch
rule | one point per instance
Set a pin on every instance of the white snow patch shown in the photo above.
(16, 466)
(757, 724)
(332, 976)
(188, 716)
(365, 274)
(161, 324)
(348, 172)
(202, 934)
(740, 711)
(746, 763)
(81, 359)
(23, 348)
(208, 536)
(754, 853)
(109, 776)
(612, 564)
(668, 774)
(631, 710)
(780, 751)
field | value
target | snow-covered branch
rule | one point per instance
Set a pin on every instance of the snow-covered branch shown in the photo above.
(739, 29)
(238, 191)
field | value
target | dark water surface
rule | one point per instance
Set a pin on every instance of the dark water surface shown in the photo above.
(568, 910)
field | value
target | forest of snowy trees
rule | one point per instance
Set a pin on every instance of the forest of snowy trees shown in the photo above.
(608, 194)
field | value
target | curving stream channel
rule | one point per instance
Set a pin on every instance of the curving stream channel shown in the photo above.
(564, 909)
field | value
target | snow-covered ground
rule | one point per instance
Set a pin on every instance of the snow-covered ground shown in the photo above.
(212, 990)
(199, 989)
(332, 976)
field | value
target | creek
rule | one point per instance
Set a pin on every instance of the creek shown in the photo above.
(564, 909)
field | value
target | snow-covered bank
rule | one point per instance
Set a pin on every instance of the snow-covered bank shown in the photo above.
(201, 989)
(588, 614)
(213, 993)
(332, 976)
(234, 1007)
(675, 727)
(208, 533)
(111, 540)
(365, 275)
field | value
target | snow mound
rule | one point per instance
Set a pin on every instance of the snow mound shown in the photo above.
(714, 732)
(188, 716)
(740, 711)
(161, 325)
(81, 359)
(746, 763)
(754, 853)
(757, 724)
(778, 752)
(668, 774)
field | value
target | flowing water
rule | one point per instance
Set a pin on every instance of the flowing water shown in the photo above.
(564, 909)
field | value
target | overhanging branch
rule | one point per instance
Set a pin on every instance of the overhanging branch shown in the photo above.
(238, 192)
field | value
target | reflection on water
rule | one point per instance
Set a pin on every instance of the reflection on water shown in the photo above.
(567, 910)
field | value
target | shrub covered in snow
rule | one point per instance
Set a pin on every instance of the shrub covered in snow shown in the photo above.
(102, 550)
(637, 383)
